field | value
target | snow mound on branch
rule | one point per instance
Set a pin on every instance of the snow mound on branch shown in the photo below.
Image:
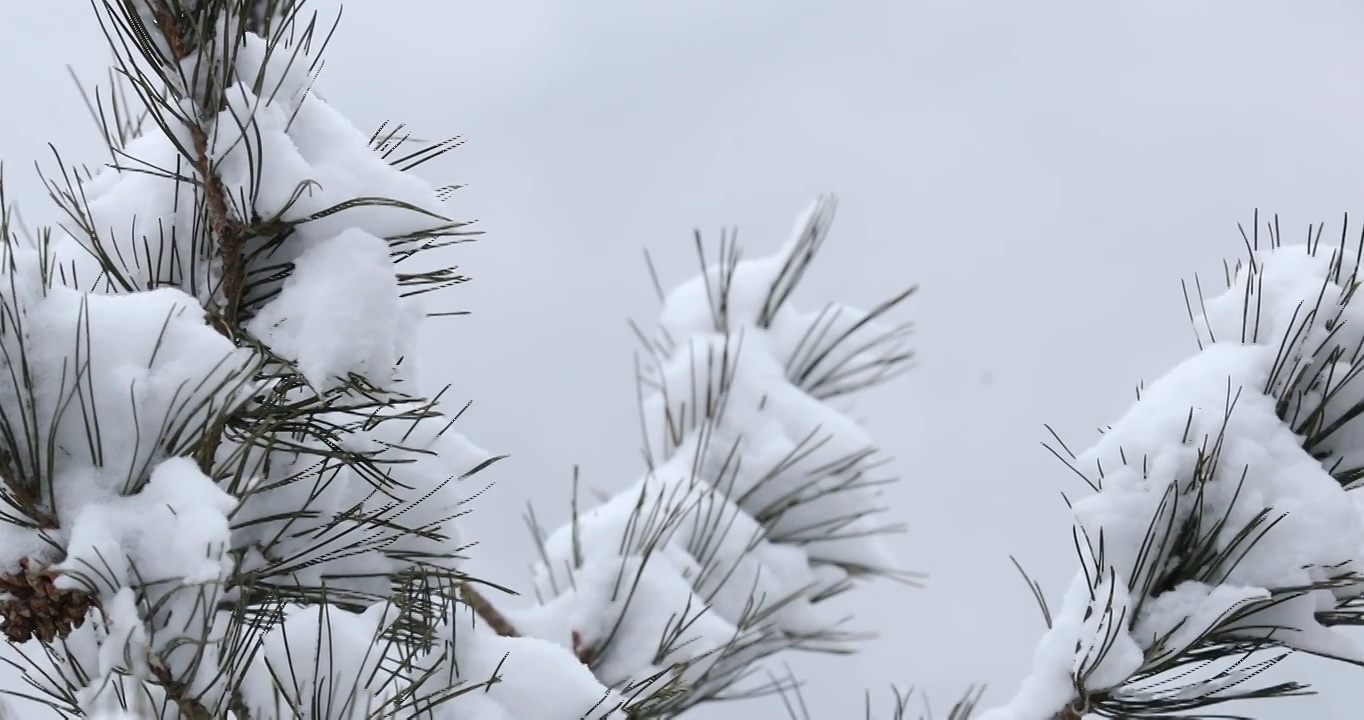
(314, 160)
(141, 373)
(170, 541)
(339, 312)
(178, 503)
(1206, 444)
(319, 664)
(708, 540)
(531, 671)
(510, 678)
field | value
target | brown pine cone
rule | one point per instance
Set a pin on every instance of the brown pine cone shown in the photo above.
(31, 606)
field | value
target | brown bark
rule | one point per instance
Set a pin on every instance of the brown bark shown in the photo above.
(228, 233)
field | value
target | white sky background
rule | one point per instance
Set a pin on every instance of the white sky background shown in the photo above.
(1046, 171)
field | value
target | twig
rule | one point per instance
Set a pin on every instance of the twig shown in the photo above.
(485, 610)
(190, 708)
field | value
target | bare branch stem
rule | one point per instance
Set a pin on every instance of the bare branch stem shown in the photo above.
(485, 610)
(228, 233)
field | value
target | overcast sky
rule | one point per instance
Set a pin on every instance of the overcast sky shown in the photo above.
(1046, 171)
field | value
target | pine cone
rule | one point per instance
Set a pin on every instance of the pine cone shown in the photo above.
(32, 606)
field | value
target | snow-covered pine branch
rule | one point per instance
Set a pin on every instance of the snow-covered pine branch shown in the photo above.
(228, 493)
(1225, 530)
(761, 499)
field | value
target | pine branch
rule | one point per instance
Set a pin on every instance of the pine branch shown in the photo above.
(1184, 595)
(746, 461)
(322, 546)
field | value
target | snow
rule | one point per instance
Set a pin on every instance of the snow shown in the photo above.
(535, 679)
(144, 368)
(634, 608)
(1205, 448)
(315, 549)
(178, 502)
(170, 541)
(338, 314)
(327, 663)
(322, 663)
(1174, 619)
(123, 645)
(705, 538)
(340, 311)
(131, 226)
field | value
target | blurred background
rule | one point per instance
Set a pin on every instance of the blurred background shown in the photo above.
(1047, 172)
